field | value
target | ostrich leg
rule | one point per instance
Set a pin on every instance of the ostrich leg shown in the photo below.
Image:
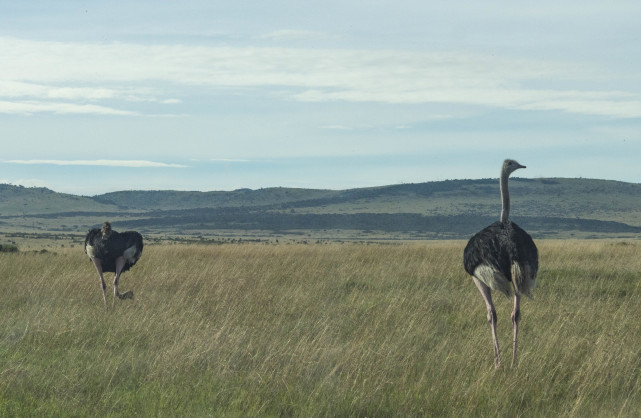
(120, 263)
(491, 317)
(98, 264)
(516, 317)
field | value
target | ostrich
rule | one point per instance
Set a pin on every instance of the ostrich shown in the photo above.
(503, 257)
(114, 252)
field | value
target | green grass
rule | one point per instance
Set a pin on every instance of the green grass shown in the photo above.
(317, 330)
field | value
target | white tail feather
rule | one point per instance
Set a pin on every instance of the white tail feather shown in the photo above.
(493, 279)
(130, 254)
(524, 279)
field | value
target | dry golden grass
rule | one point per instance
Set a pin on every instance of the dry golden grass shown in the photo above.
(318, 330)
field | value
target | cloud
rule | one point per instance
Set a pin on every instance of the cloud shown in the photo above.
(291, 34)
(12, 88)
(106, 163)
(229, 160)
(29, 98)
(31, 107)
(337, 127)
(61, 77)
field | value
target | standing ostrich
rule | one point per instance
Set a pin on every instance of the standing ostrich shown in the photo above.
(503, 257)
(114, 252)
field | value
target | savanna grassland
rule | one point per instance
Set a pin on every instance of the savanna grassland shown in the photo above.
(318, 330)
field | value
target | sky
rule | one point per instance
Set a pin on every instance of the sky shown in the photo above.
(115, 95)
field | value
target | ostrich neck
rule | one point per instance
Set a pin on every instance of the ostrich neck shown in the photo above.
(505, 197)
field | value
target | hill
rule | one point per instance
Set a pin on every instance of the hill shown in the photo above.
(452, 209)
(20, 201)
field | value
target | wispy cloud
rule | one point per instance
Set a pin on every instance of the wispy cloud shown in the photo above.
(31, 107)
(337, 127)
(292, 34)
(28, 98)
(106, 163)
(62, 77)
(229, 160)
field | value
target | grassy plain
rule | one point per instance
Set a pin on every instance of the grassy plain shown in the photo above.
(318, 330)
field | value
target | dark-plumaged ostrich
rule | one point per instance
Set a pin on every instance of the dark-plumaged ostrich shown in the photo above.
(113, 252)
(503, 257)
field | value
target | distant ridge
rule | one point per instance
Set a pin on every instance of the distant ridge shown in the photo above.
(549, 207)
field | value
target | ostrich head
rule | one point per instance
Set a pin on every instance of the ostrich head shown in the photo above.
(106, 230)
(509, 166)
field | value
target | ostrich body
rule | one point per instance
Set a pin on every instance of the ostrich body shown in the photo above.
(503, 257)
(113, 252)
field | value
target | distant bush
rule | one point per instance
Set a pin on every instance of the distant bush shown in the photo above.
(8, 248)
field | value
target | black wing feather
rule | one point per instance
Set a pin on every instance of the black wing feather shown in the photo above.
(498, 246)
(526, 251)
(113, 247)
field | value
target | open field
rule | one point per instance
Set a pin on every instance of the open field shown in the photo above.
(318, 330)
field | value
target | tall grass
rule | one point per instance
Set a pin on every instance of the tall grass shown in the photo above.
(318, 330)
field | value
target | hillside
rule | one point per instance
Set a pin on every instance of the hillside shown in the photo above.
(19, 200)
(551, 207)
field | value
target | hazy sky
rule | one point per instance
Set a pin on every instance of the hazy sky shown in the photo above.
(218, 95)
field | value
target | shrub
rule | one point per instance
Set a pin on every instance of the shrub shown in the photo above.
(8, 248)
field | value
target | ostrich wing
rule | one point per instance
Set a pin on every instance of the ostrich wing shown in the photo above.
(488, 247)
